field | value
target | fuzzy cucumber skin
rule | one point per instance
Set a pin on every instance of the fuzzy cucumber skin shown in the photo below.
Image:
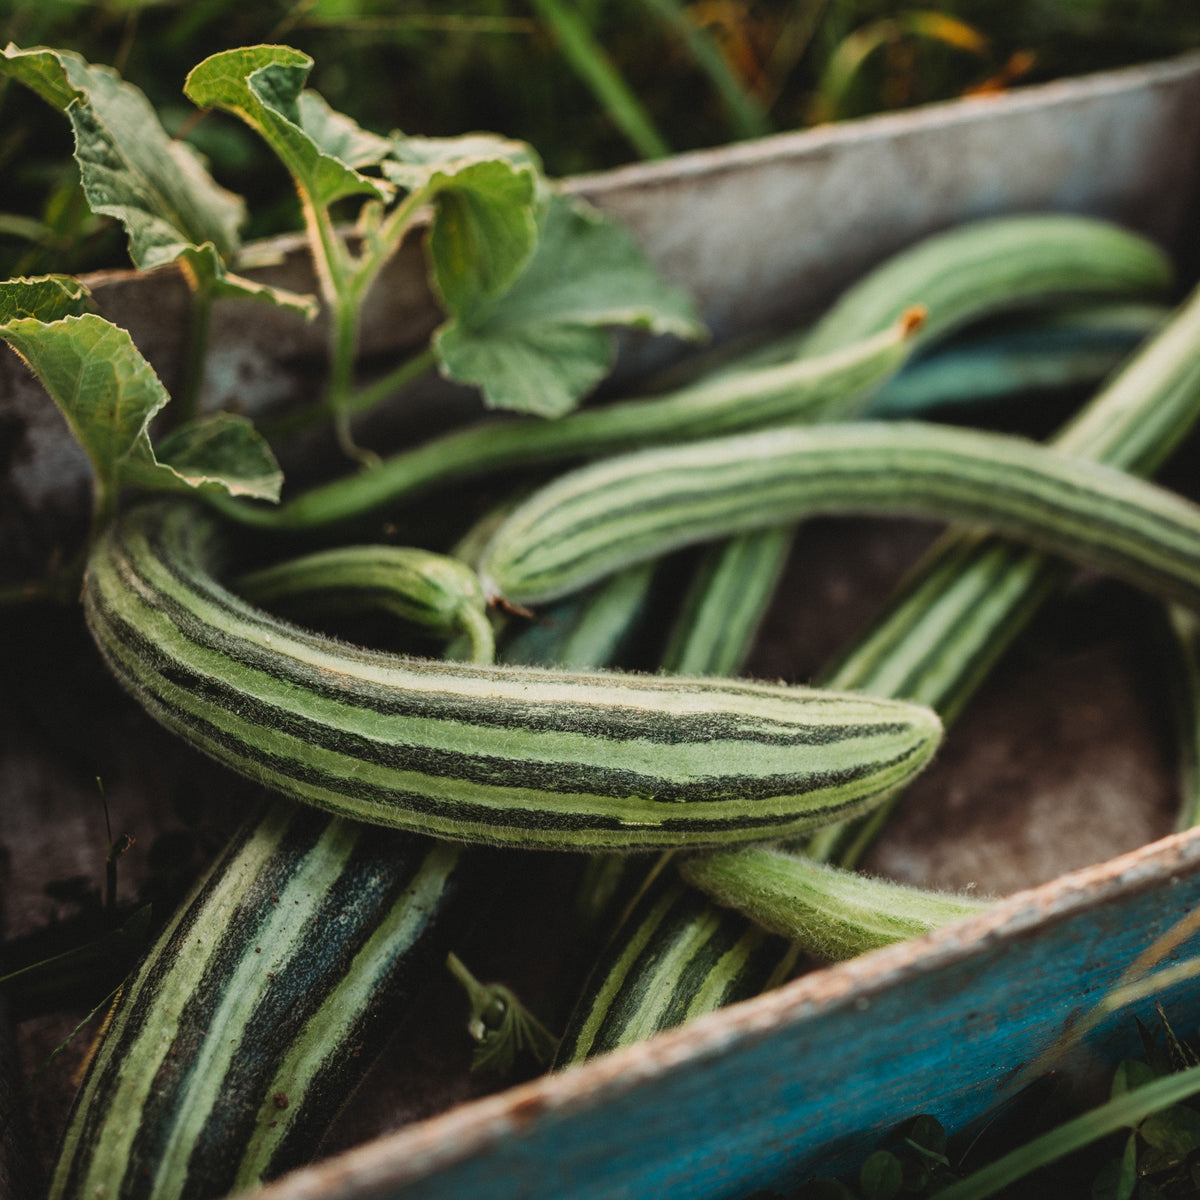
(992, 266)
(504, 755)
(242, 1034)
(677, 956)
(593, 521)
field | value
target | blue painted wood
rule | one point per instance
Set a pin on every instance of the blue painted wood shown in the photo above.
(814, 1075)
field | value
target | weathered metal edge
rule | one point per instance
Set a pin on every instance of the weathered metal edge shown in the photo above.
(883, 127)
(791, 219)
(387, 1165)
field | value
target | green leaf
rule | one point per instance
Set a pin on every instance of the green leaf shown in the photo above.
(415, 159)
(541, 370)
(109, 394)
(43, 298)
(223, 450)
(543, 345)
(337, 135)
(1121, 1112)
(1130, 1074)
(43, 71)
(928, 1137)
(501, 1024)
(881, 1176)
(106, 390)
(484, 225)
(130, 168)
(1127, 1179)
(263, 85)
(1175, 1130)
(1109, 1182)
(206, 273)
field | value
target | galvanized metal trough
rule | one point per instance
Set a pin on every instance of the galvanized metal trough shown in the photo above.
(763, 1094)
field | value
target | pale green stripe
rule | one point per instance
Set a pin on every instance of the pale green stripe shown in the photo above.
(154, 1041)
(325, 1031)
(661, 991)
(602, 999)
(724, 973)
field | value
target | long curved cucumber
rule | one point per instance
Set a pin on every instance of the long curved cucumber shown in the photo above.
(596, 520)
(260, 1008)
(992, 266)
(832, 913)
(509, 755)
(1073, 348)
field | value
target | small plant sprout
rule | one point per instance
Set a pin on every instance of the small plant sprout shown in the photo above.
(501, 1025)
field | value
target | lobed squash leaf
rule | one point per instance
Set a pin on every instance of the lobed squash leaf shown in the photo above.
(484, 225)
(542, 345)
(43, 298)
(109, 394)
(133, 170)
(264, 85)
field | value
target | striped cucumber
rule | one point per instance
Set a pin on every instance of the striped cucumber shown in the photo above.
(676, 956)
(783, 393)
(436, 592)
(243, 1033)
(517, 756)
(993, 266)
(593, 521)
(726, 602)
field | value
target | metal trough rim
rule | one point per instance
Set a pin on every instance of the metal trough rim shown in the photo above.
(695, 164)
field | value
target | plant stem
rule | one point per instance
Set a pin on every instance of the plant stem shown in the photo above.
(345, 280)
(344, 331)
(187, 398)
(479, 632)
(366, 398)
